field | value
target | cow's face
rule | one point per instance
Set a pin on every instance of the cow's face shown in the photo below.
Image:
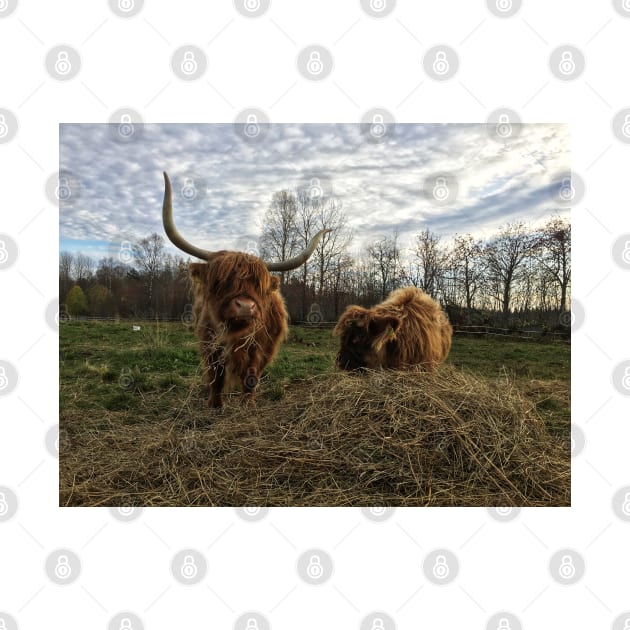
(236, 286)
(364, 335)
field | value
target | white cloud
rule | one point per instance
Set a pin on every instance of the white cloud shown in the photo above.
(380, 184)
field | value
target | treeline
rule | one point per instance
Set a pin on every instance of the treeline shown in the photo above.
(518, 277)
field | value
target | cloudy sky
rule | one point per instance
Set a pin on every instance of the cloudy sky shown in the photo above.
(116, 187)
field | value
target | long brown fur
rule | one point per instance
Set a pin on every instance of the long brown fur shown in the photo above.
(409, 328)
(234, 354)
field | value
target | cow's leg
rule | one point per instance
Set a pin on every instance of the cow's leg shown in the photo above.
(250, 382)
(251, 375)
(215, 399)
(213, 370)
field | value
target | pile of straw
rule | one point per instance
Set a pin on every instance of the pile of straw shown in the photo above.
(382, 439)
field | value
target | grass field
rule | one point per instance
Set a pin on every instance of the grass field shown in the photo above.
(113, 378)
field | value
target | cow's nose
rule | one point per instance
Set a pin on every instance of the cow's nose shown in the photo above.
(245, 307)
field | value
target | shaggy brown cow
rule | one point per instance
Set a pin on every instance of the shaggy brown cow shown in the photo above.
(238, 312)
(409, 328)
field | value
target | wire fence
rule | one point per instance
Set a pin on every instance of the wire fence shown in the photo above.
(487, 332)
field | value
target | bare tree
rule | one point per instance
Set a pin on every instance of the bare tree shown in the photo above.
(429, 261)
(466, 259)
(505, 254)
(384, 254)
(66, 265)
(330, 215)
(278, 240)
(148, 255)
(83, 268)
(554, 249)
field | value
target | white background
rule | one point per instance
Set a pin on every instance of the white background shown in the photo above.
(251, 566)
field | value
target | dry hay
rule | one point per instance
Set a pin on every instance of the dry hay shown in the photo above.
(385, 438)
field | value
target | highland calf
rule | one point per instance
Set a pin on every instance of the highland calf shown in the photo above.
(238, 312)
(407, 329)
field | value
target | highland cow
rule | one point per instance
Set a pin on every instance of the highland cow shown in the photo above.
(408, 329)
(239, 315)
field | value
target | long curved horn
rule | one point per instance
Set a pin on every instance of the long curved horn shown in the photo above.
(169, 225)
(293, 263)
(181, 243)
